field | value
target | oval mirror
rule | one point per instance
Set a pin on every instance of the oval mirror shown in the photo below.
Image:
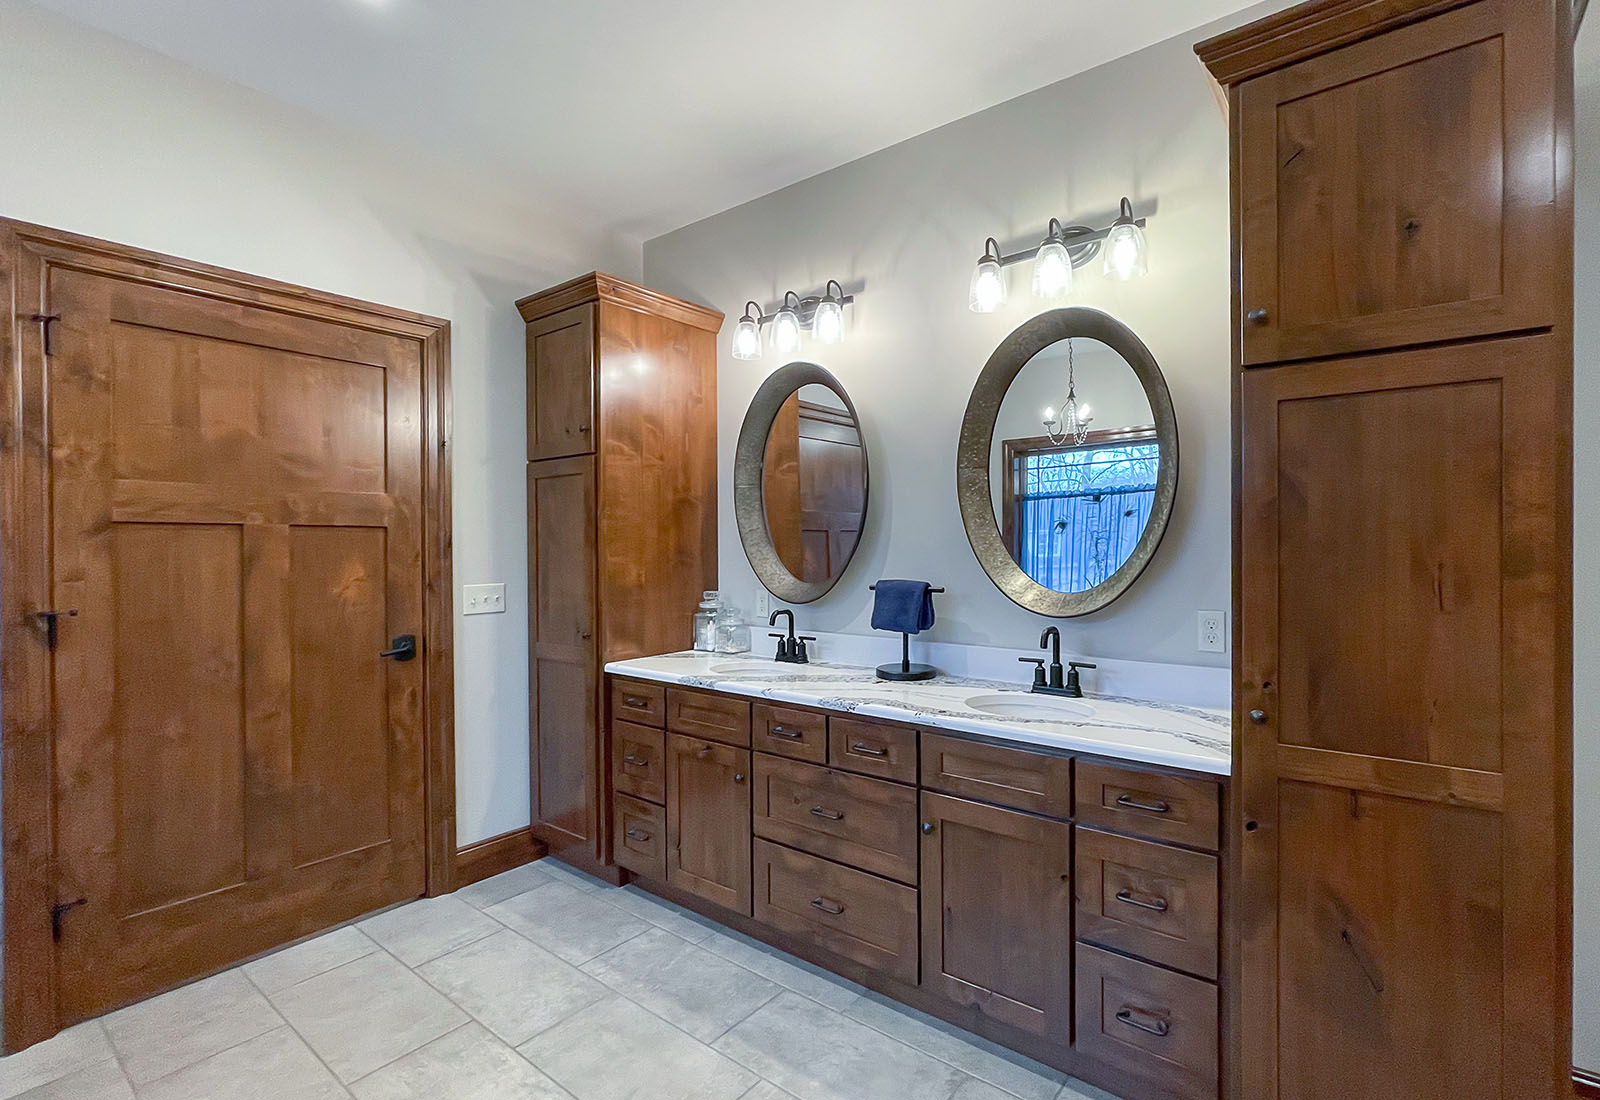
(800, 482)
(1068, 462)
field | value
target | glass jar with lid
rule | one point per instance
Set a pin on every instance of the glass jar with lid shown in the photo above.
(705, 622)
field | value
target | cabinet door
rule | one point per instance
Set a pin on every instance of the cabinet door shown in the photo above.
(1394, 192)
(708, 821)
(561, 370)
(997, 913)
(563, 688)
(1403, 748)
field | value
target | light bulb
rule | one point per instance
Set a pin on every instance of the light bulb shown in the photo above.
(1050, 414)
(785, 332)
(988, 292)
(1083, 414)
(1127, 253)
(747, 339)
(1052, 270)
(827, 325)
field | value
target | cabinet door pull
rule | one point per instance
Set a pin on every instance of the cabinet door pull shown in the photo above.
(1133, 803)
(634, 761)
(702, 752)
(1156, 905)
(827, 905)
(1256, 316)
(786, 733)
(1259, 717)
(867, 750)
(637, 834)
(831, 815)
(927, 828)
(738, 777)
(635, 701)
(1130, 1016)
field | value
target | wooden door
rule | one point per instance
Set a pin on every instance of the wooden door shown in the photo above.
(708, 821)
(997, 913)
(1404, 671)
(561, 369)
(1396, 192)
(236, 532)
(564, 703)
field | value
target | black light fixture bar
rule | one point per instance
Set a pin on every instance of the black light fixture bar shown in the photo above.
(806, 308)
(1078, 239)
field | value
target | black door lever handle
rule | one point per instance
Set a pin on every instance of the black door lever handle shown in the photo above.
(404, 648)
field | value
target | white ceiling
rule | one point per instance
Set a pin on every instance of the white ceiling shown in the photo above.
(644, 114)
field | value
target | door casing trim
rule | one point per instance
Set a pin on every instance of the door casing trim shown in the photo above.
(27, 810)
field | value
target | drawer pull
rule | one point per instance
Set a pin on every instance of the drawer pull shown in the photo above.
(831, 815)
(786, 733)
(702, 752)
(827, 905)
(635, 761)
(636, 701)
(867, 750)
(637, 834)
(1158, 905)
(1130, 1016)
(1133, 803)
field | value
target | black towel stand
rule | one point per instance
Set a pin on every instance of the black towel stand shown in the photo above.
(904, 669)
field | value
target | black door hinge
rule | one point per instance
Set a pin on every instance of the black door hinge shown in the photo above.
(59, 911)
(46, 319)
(51, 621)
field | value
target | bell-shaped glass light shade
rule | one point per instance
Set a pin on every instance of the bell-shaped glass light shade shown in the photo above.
(1052, 270)
(1127, 254)
(747, 340)
(828, 323)
(786, 332)
(988, 292)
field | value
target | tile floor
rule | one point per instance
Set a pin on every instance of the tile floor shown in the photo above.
(543, 984)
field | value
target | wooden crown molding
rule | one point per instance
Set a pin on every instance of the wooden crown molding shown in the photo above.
(1305, 30)
(600, 287)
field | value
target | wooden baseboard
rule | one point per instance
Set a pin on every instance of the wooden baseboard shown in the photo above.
(498, 854)
(1585, 1083)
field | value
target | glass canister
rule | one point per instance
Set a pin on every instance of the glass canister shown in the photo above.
(705, 622)
(733, 633)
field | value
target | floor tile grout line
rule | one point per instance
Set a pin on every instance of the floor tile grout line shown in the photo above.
(296, 1031)
(946, 1061)
(116, 1056)
(468, 1022)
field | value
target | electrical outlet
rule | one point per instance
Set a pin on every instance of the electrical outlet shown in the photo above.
(762, 605)
(483, 599)
(1213, 632)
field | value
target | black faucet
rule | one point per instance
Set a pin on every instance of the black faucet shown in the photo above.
(1051, 639)
(1070, 686)
(791, 650)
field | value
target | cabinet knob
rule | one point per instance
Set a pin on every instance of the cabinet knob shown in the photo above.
(738, 777)
(1259, 717)
(1256, 316)
(927, 828)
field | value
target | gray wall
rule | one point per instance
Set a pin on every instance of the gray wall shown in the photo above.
(903, 227)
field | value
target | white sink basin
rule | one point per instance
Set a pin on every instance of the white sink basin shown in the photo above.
(1030, 706)
(733, 668)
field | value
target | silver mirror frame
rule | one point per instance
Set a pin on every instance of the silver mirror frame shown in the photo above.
(748, 507)
(973, 491)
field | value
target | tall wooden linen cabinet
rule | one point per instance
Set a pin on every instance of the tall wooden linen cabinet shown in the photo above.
(622, 521)
(1402, 226)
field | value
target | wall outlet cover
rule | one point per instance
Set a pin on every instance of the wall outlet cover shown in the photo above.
(1213, 632)
(483, 599)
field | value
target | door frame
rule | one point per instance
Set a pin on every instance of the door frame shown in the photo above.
(27, 786)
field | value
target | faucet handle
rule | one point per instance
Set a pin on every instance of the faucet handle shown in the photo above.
(1080, 664)
(1038, 669)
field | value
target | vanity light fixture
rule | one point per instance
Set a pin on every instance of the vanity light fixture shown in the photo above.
(1073, 423)
(822, 314)
(1063, 248)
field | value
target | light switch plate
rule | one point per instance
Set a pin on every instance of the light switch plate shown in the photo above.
(483, 599)
(1213, 632)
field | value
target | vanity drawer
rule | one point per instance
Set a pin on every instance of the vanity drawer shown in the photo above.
(801, 734)
(1150, 1024)
(1148, 899)
(724, 718)
(639, 837)
(859, 916)
(645, 704)
(1162, 807)
(638, 764)
(866, 823)
(888, 752)
(994, 773)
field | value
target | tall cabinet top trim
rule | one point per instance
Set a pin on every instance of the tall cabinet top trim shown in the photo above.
(597, 286)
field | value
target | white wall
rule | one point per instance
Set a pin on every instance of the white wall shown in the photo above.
(109, 139)
(1586, 553)
(903, 228)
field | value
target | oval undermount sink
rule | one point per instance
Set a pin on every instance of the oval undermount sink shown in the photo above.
(1030, 706)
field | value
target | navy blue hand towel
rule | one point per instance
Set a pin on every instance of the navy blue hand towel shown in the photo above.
(905, 606)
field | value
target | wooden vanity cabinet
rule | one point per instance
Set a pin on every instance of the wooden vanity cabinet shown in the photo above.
(708, 821)
(622, 428)
(1402, 189)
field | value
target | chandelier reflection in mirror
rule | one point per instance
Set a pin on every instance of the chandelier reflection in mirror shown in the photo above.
(822, 314)
(1064, 248)
(1074, 421)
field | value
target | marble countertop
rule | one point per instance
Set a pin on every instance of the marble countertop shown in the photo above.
(1195, 738)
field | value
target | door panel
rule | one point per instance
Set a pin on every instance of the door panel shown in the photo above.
(708, 821)
(561, 366)
(236, 520)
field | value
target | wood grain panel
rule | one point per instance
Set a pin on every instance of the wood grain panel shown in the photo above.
(708, 821)
(873, 748)
(1180, 809)
(1147, 899)
(865, 823)
(561, 367)
(1156, 1027)
(1027, 780)
(789, 731)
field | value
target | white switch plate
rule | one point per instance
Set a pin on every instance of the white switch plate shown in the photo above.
(483, 599)
(1213, 632)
